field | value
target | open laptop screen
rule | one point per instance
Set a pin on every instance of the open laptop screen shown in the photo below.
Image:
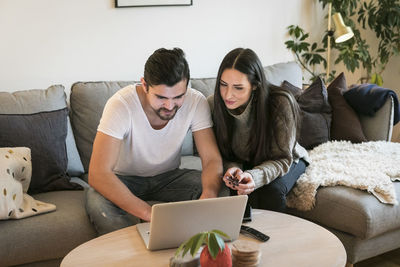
(175, 222)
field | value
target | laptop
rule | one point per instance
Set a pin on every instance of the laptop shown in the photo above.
(175, 222)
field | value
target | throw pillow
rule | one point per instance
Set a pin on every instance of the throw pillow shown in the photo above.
(15, 176)
(44, 133)
(345, 122)
(39, 100)
(315, 113)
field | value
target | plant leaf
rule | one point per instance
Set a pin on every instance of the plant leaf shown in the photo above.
(213, 246)
(314, 45)
(221, 243)
(197, 242)
(221, 233)
(189, 243)
(179, 249)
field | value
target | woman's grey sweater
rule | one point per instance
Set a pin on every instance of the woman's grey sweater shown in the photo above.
(269, 170)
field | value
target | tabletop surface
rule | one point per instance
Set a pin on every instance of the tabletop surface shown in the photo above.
(293, 242)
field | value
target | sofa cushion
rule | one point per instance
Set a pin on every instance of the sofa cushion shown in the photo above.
(353, 211)
(315, 113)
(37, 100)
(87, 101)
(289, 71)
(345, 122)
(205, 85)
(44, 133)
(47, 236)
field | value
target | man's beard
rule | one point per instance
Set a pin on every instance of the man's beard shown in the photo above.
(166, 114)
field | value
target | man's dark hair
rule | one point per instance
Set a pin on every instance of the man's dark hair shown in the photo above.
(166, 67)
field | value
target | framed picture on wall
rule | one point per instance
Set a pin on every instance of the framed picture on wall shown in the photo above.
(145, 3)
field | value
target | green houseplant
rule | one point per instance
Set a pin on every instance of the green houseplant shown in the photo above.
(215, 253)
(380, 16)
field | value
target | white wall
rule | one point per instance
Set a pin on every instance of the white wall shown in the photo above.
(46, 42)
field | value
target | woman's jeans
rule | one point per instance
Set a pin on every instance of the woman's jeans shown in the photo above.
(175, 185)
(273, 195)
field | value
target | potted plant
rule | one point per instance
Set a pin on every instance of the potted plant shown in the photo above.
(215, 253)
(382, 17)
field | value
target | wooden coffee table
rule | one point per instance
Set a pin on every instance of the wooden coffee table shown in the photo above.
(294, 242)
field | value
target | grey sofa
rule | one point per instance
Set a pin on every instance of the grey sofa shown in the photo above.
(43, 240)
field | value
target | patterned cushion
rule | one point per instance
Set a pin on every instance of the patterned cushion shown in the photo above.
(15, 177)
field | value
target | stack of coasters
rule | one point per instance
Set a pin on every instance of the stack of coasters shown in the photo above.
(245, 253)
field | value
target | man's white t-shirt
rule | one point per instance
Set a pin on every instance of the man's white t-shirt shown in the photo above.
(145, 151)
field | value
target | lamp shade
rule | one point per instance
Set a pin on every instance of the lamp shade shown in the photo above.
(342, 32)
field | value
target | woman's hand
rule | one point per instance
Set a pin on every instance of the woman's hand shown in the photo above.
(236, 179)
(230, 177)
(246, 184)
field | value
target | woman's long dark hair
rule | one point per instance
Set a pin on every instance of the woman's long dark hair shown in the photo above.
(246, 61)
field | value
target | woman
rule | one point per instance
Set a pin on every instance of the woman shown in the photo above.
(255, 125)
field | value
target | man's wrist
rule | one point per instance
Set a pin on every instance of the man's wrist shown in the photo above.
(209, 193)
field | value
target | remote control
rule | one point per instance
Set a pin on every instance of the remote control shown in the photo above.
(246, 230)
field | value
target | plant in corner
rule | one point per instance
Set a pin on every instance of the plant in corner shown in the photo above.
(215, 253)
(308, 57)
(381, 16)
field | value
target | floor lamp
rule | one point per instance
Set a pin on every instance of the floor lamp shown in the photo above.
(341, 34)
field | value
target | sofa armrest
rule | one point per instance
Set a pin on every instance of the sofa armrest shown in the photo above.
(380, 126)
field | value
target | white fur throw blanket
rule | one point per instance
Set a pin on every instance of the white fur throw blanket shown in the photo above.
(370, 166)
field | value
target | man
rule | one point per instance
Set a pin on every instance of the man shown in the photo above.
(136, 152)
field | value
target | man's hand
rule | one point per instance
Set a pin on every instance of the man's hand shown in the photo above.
(147, 214)
(236, 179)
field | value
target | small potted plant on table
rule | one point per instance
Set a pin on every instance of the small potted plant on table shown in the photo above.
(215, 253)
